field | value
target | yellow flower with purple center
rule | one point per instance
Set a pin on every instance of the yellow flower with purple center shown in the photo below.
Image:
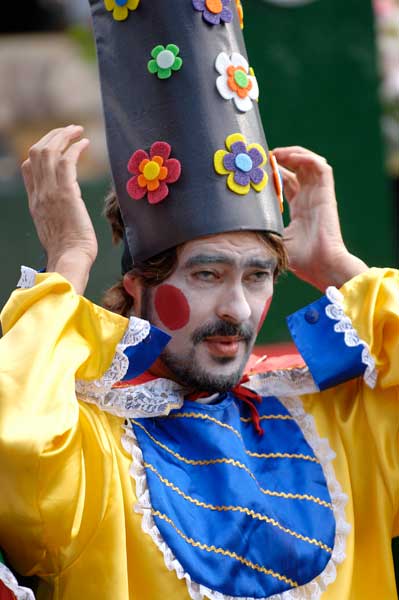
(120, 8)
(242, 163)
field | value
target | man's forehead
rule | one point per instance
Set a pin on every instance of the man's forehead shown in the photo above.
(231, 248)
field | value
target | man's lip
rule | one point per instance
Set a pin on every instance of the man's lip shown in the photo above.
(223, 346)
(224, 339)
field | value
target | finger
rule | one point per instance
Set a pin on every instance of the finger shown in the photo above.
(306, 166)
(67, 165)
(297, 150)
(53, 151)
(61, 138)
(290, 182)
(44, 154)
(27, 176)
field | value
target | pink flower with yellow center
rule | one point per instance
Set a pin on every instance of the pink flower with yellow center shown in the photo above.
(152, 172)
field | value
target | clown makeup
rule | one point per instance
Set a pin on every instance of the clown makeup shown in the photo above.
(172, 307)
(213, 305)
(264, 313)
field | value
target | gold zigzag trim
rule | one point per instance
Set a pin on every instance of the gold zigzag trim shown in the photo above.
(268, 417)
(194, 415)
(235, 463)
(241, 509)
(282, 455)
(225, 552)
(290, 496)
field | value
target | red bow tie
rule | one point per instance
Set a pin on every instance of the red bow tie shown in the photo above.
(249, 397)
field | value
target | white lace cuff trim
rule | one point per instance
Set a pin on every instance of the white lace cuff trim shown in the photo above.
(97, 390)
(21, 593)
(28, 277)
(310, 591)
(344, 325)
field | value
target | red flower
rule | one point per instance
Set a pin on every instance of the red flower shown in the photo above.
(152, 173)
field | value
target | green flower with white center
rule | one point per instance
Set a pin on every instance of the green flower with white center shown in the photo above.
(164, 61)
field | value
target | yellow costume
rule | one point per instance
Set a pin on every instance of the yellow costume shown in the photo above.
(67, 497)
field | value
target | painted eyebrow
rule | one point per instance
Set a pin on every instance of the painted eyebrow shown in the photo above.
(260, 263)
(211, 259)
(208, 259)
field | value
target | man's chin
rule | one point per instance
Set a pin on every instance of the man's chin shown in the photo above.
(206, 374)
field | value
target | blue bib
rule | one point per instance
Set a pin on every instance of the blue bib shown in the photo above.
(245, 515)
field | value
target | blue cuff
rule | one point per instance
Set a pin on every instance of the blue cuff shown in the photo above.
(144, 354)
(329, 359)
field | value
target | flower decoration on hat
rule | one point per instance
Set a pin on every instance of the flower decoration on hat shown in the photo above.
(278, 180)
(214, 11)
(242, 164)
(120, 8)
(240, 12)
(164, 61)
(152, 172)
(236, 81)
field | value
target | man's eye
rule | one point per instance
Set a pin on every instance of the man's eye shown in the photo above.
(259, 276)
(205, 275)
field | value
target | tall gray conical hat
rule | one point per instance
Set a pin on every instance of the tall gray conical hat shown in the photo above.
(186, 144)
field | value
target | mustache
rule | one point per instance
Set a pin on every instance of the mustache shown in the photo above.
(222, 328)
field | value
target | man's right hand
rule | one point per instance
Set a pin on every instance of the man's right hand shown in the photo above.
(60, 216)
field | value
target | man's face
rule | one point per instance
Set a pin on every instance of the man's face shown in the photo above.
(213, 305)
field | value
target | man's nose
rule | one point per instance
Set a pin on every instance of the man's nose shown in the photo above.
(233, 305)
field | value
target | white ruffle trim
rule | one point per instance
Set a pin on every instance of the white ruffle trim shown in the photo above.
(97, 390)
(28, 277)
(284, 382)
(310, 591)
(158, 397)
(21, 593)
(344, 325)
(154, 398)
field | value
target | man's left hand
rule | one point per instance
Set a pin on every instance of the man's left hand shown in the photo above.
(316, 250)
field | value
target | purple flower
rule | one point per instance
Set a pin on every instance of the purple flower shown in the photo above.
(244, 164)
(214, 11)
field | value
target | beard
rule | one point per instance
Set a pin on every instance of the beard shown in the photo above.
(188, 372)
(186, 368)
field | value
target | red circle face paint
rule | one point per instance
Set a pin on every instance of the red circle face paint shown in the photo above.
(264, 313)
(172, 307)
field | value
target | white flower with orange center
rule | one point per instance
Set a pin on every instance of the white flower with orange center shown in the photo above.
(236, 81)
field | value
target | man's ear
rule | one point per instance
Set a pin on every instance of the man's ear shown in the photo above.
(134, 288)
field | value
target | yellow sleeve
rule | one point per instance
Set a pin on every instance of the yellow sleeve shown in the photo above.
(51, 336)
(371, 301)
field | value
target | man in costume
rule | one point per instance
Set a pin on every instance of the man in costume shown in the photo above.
(142, 462)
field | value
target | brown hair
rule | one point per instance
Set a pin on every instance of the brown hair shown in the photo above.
(158, 268)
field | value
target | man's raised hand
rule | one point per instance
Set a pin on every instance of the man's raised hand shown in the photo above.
(316, 250)
(60, 216)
